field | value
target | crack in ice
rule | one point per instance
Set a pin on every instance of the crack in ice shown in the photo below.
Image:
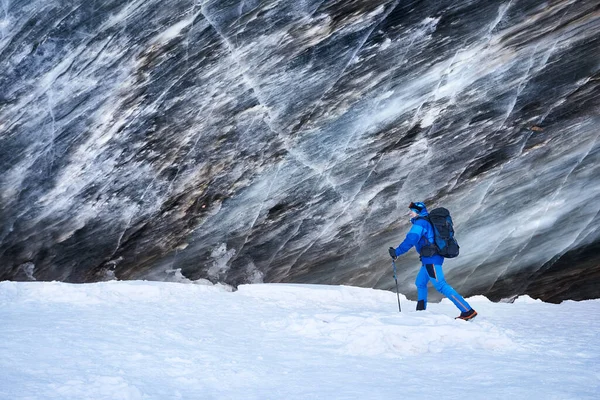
(352, 57)
(233, 53)
(262, 203)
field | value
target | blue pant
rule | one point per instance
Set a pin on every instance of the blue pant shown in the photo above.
(434, 273)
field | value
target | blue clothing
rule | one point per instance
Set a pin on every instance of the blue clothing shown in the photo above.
(435, 274)
(419, 235)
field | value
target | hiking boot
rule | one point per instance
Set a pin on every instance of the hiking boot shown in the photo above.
(467, 315)
(421, 305)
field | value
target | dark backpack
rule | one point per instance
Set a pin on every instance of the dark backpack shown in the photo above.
(444, 244)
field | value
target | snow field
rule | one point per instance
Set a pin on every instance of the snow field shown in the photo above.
(366, 322)
(150, 340)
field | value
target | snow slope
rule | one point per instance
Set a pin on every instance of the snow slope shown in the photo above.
(150, 340)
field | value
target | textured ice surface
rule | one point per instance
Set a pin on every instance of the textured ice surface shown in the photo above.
(143, 137)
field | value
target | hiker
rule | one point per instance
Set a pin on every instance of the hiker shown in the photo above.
(421, 234)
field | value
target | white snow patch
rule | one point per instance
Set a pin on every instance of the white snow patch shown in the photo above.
(429, 118)
(527, 300)
(174, 30)
(156, 340)
(386, 43)
(221, 257)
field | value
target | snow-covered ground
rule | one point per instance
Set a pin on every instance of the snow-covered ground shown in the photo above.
(150, 340)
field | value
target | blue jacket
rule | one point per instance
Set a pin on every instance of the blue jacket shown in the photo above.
(419, 235)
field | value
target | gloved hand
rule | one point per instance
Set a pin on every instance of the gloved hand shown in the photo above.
(393, 253)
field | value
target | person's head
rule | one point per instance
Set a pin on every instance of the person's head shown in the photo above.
(417, 209)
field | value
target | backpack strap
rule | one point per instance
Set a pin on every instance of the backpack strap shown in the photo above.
(432, 229)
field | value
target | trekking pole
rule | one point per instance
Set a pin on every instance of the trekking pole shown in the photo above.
(396, 279)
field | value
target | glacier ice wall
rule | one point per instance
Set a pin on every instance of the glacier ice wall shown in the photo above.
(250, 141)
